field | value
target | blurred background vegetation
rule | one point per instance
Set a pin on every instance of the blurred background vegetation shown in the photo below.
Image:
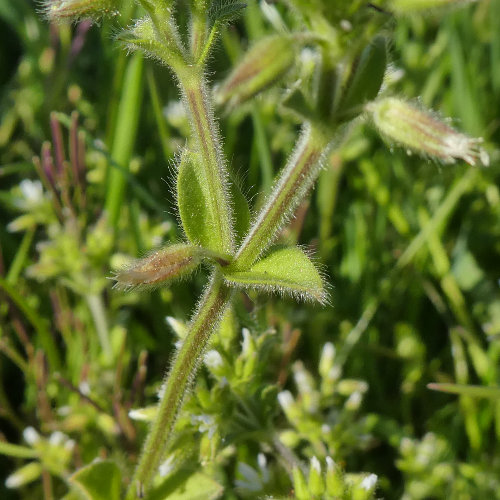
(411, 247)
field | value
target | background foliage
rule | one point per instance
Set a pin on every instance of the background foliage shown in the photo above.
(411, 248)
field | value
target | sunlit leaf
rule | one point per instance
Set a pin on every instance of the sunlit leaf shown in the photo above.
(98, 481)
(288, 271)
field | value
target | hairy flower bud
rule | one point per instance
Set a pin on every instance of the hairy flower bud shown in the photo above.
(421, 131)
(74, 10)
(159, 267)
(267, 61)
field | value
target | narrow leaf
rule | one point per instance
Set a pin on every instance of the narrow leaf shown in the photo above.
(224, 10)
(288, 271)
(365, 79)
(476, 391)
(98, 481)
(240, 209)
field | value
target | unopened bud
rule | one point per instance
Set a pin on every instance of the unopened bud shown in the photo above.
(316, 485)
(422, 132)
(365, 488)
(407, 7)
(326, 360)
(334, 481)
(300, 485)
(74, 10)
(159, 267)
(265, 63)
(347, 387)
(26, 474)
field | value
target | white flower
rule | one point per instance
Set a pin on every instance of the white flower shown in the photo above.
(32, 191)
(213, 359)
(369, 482)
(31, 436)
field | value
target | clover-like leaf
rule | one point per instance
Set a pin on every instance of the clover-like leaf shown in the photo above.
(98, 481)
(288, 271)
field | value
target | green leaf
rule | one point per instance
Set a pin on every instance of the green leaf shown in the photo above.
(98, 481)
(296, 103)
(288, 271)
(197, 486)
(475, 391)
(365, 79)
(196, 219)
(224, 10)
(240, 209)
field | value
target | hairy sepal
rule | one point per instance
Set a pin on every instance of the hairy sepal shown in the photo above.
(61, 11)
(160, 267)
(286, 271)
(264, 64)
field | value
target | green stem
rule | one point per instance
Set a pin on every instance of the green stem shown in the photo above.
(183, 370)
(98, 312)
(292, 185)
(213, 164)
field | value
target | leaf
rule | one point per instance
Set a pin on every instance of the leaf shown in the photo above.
(476, 391)
(296, 103)
(98, 481)
(197, 221)
(197, 486)
(288, 271)
(366, 78)
(240, 209)
(224, 10)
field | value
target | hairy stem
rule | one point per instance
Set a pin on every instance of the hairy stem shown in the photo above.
(177, 383)
(294, 182)
(214, 175)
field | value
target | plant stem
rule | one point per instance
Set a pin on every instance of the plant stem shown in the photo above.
(294, 182)
(98, 312)
(213, 164)
(184, 367)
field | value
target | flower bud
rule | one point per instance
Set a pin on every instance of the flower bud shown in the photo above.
(300, 485)
(26, 474)
(159, 267)
(315, 482)
(422, 132)
(73, 10)
(334, 480)
(266, 62)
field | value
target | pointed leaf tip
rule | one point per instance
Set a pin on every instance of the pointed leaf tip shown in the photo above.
(288, 271)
